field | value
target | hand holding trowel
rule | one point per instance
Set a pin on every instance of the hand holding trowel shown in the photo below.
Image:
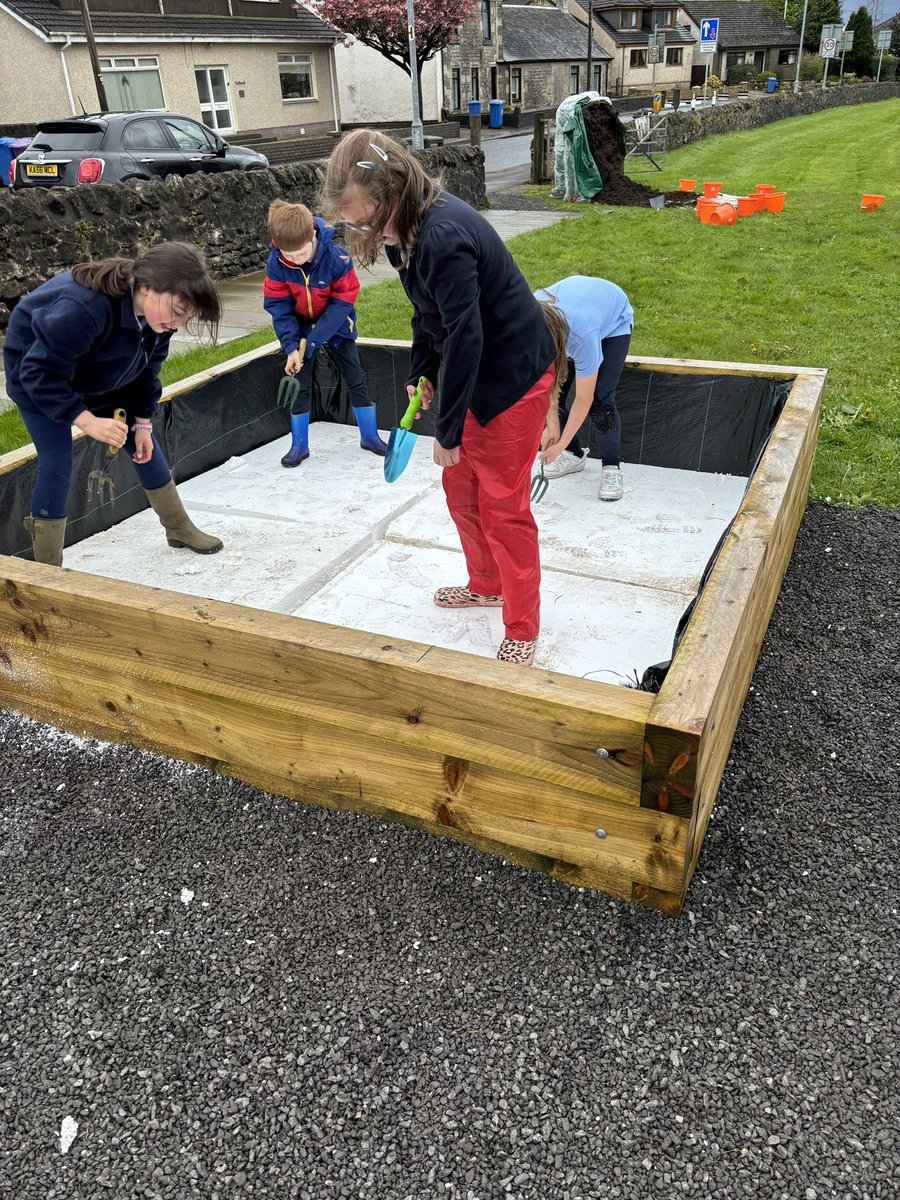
(402, 440)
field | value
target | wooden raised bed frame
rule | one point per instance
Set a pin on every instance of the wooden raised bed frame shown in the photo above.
(597, 785)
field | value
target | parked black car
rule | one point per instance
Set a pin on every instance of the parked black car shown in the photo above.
(106, 147)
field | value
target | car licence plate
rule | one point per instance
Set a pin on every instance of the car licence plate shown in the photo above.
(42, 169)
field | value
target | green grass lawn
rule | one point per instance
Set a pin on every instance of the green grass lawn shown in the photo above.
(814, 286)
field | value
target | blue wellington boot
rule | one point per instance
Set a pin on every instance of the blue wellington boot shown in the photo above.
(299, 451)
(368, 433)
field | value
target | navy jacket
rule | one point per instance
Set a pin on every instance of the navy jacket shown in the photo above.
(69, 348)
(313, 300)
(475, 314)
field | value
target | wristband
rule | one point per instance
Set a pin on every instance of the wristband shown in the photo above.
(141, 425)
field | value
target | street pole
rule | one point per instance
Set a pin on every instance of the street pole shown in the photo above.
(418, 135)
(880, 61)
(825, 75)
(590, 61)
(800, 48)
(843, 56)
(92, 51)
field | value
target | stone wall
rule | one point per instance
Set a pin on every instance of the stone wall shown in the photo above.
(685, 127)
(44, 231)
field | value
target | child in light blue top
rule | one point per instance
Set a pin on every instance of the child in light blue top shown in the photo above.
(600, 319)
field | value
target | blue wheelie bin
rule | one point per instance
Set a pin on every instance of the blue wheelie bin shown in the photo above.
(5, 160)
(770, 84)
(474, 108)
(496, 114)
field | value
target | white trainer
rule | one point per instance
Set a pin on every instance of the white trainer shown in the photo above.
(611, 486)
(566, 463)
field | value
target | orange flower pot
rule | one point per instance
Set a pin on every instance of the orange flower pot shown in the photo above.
(765, 189)
(711, 190)
(703, 208)
(775, 202)
(723, 214)
(871, 203)
(686, 185)
(747, 206)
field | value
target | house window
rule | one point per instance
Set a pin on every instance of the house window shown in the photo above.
(629, 19)
(296, 75)
(595, 83)
(132, 84)
(665, 18)
(574, 80)
(486, 20)
(674, 56)
(735, 59)
(639, 58)
(515, 85)
(476, 90)
(787, 58)
(455, 90)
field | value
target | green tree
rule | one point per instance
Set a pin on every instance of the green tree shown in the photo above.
(861, 59)
(895, 36)
(820, 12)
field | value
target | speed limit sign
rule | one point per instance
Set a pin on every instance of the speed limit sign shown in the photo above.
(829, 47)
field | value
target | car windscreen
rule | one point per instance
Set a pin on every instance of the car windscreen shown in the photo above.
(67, 138)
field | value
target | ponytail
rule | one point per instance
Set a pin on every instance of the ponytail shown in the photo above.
(559, 328)
(111, 276)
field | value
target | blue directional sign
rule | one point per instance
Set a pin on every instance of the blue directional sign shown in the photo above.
(709, 34)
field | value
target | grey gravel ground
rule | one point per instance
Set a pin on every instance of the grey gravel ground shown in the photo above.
(350, 1009)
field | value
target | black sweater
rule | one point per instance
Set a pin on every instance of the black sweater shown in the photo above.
(475, 314)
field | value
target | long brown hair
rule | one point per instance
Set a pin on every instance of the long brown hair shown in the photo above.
(559, 327)
(173, 267)
(381, 171)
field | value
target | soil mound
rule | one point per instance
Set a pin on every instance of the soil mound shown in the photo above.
(606, 139)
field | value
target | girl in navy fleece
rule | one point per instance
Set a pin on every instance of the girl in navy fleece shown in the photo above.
(476, 323)
(89, 341)
(309, 292)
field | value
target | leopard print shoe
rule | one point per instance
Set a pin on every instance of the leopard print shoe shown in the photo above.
(460, 597)
(520, 653)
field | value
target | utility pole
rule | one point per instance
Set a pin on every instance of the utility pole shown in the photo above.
(800, 47)
(418, 134)
(92, 51)
(590, 16)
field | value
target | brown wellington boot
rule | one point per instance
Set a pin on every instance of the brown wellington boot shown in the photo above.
(181, 531)
(47, 539)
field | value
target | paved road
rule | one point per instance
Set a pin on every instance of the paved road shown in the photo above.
(507, 161)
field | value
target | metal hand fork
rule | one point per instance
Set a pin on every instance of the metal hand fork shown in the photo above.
(539, 485)
(100, 483)
(289, 388)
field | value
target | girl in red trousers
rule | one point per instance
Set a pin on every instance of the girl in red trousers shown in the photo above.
(476, 322)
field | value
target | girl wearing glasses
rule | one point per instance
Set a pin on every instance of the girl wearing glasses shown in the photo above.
(499, 356)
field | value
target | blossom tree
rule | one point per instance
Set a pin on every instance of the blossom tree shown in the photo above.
(382, 24)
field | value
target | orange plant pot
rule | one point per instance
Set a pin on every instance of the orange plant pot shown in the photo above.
(711, 190)
(871, 203)
(775, 202)
(765, 189)
(723, 214)
(747, 206)
(703, 208)
(686, 185)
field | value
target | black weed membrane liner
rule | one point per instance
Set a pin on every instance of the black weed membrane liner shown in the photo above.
(716, 424)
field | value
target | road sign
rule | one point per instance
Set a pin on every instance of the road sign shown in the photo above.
(831, 37)
(884, 40)
(709, 35)
(653, 54)
(847, 40)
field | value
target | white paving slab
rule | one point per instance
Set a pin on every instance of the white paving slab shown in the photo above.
(600, 630)
(660, 534)
(331, 541)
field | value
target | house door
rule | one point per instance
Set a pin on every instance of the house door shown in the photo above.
(493, 81)
(215, 101)
(698, 75)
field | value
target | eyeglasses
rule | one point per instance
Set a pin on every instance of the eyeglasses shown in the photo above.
(357, 228)
(367, 165)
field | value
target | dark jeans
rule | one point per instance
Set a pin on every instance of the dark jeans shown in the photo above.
(603, 412)
(346, 357)
(53, 443)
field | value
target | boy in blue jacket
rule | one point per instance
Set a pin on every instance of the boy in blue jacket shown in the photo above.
(310, 290)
